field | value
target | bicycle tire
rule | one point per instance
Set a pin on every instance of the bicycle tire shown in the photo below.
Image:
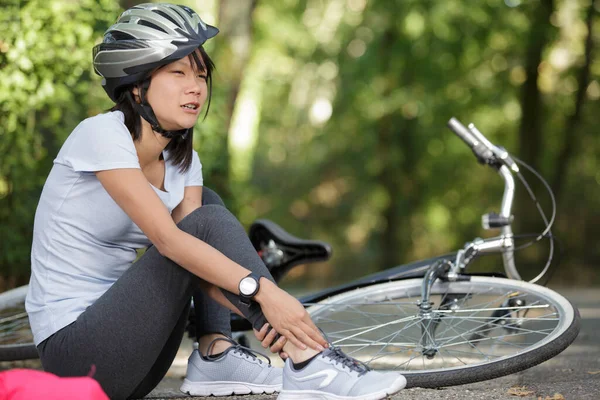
(331, 314)
(16, 339)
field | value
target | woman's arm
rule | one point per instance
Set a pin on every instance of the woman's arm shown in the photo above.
(129, 188)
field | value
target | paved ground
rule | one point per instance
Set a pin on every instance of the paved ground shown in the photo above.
(573, 375)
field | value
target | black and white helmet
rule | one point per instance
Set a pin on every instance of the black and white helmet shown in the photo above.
(145, 37)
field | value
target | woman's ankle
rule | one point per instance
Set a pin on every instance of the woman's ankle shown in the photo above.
(298, 355)
(218, 347)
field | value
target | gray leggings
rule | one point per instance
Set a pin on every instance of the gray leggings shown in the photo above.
(131, 334)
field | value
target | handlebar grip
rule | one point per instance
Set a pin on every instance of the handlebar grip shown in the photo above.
(482, 152)
(462, 132)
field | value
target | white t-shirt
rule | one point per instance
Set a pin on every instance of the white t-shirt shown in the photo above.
(82, 240)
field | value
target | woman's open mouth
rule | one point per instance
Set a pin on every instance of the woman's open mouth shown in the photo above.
(191, 108)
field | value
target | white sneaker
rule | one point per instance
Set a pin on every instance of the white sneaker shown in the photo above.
(236, 371)
(332, 375)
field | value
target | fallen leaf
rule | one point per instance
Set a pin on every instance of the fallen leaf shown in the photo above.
(557, 396)
(593, 372)
(520, 391)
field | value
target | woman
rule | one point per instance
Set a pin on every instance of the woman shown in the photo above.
(129, 179)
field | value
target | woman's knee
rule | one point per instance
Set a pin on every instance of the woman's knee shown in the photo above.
(209, 196)
(207, 217)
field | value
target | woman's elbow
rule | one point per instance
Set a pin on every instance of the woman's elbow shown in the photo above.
(166, 241)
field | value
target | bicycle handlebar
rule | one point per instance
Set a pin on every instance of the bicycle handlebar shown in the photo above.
(488, 153)
(462, 132)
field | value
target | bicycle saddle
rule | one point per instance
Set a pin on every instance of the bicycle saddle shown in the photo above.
(282, 251)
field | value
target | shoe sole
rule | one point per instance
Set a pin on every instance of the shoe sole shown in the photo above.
(396, 386)
(226, 388)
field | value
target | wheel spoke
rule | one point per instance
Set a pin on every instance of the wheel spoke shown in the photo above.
(14, 326)
(491, 309)
(398, 321)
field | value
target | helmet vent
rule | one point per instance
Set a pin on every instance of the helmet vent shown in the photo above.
(116, 36)
(165, 15)
(151, 25)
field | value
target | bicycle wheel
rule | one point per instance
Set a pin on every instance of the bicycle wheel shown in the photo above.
(16, 339)
(483, 328)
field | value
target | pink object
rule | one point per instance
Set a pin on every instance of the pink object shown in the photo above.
(27, 384)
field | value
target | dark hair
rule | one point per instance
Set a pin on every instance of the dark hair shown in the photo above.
(180, 149)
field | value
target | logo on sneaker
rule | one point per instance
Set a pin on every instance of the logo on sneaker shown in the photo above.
(328, 374)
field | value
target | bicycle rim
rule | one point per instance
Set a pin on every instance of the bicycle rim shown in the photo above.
(16, 339)
(481, 330)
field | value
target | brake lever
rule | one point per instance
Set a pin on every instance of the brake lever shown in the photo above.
(499, 152)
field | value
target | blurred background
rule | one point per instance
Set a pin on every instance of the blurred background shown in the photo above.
(329, 118)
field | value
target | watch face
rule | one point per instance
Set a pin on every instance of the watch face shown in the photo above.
(248, 286)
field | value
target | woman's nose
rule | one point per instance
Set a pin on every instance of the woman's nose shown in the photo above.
(196, 86)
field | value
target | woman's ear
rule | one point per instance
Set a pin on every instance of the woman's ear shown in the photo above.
(136, 94)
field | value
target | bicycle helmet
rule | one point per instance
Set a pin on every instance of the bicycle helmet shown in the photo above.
(145, 37)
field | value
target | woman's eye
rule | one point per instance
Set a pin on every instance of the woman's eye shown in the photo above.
(202, 77)
(178, 72)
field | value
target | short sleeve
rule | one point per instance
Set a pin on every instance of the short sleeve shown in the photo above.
(193, 176)
(99, 143)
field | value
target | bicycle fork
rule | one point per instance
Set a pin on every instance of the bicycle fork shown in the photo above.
(430, 319)
(507, 316)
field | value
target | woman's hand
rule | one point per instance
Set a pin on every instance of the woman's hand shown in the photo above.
(288, 317)
(266, 340)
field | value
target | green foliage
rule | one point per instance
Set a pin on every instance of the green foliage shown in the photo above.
(45, 80)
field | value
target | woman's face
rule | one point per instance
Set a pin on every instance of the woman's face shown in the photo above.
(177, 93)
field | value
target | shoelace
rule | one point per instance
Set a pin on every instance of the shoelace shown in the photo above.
(237, 348)
(338, 356)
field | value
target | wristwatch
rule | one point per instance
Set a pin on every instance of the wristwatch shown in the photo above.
(248, 287)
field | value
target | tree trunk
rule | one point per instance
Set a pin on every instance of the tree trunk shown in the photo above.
(397, 152)
(388, 178)
(530, 131)
(570, 135)
(397, 138)
(234, 44)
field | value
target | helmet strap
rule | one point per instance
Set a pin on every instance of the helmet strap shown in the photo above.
(145, 110)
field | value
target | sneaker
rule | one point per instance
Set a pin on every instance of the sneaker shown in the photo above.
(332, 375)
(236, 371)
